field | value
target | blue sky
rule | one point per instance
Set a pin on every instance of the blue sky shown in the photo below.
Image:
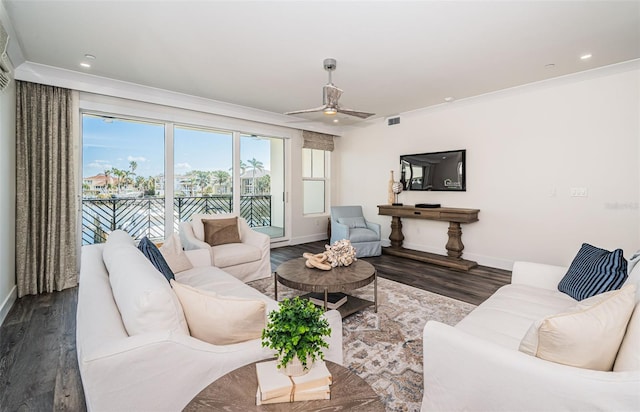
(109, 143)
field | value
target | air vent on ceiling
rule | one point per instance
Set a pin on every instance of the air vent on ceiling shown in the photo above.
(393, 120)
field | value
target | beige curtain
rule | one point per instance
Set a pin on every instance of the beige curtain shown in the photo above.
(46, 253)
(319, 141)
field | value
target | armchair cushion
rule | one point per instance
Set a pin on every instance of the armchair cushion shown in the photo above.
(233, 254)
(587, 335)
(358, 235)
(353, 222)
(221, 231)
(594, 271)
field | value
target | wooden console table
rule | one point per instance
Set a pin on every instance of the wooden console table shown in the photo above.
(454, 245)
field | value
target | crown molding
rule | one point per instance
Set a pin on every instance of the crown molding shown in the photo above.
(54, 76)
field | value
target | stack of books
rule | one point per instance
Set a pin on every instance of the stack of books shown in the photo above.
(334, 300)
(276, 387)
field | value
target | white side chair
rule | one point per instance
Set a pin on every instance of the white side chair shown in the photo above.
(248, 260)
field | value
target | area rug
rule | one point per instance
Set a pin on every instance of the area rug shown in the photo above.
(385, 348)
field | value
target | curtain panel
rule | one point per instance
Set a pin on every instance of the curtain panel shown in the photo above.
(46, 248)
(318, 141)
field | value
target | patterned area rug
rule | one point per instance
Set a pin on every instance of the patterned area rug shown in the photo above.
(385, 348)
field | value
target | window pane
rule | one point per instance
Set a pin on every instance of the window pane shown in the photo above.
(123, 178)
(202, 172)
(318, 164)
(306, 163)
(313, 196)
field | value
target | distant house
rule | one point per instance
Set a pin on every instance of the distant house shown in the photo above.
(94, 185)
(255, 177)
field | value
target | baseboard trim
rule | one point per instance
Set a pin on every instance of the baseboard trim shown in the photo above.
(8, 303)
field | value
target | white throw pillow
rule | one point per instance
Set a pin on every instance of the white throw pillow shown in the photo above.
(143, 295)
(220, 320)
(587, 335)
(172, 252)
(628, 358)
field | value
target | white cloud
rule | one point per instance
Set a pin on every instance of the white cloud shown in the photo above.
(100, 164)
(136, 159)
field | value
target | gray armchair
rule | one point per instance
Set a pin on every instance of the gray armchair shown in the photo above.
(348, 222)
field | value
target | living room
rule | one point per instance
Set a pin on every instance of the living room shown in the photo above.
(528, 146)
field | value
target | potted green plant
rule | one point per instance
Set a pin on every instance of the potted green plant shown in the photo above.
(296, 331)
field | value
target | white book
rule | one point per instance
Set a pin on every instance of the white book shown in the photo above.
(272, 383)
(320, 393)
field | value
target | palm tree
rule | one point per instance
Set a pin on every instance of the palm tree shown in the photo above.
(256, 165)
(220, 177)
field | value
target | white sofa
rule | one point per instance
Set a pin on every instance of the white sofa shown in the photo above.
(248, 260)
(476, 365)
(162, 367)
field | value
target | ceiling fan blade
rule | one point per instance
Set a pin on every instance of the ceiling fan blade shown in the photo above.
(317, 109)
(350, 112)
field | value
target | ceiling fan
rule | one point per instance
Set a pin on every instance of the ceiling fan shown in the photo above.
(330, 96)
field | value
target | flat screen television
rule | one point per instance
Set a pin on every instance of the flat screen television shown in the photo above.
(437, 171)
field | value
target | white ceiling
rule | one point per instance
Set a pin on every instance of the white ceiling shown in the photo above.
(393, 56)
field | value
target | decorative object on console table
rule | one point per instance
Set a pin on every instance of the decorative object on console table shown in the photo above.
(397, 189)
(454, 246)
(391, 196)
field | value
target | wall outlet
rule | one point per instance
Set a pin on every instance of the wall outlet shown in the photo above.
(578, 192)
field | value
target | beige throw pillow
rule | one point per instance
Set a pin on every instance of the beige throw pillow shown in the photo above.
(172, 252)
(221, 231)
(220, 320)
(586, 336)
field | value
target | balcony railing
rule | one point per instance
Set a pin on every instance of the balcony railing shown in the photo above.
(145, 216)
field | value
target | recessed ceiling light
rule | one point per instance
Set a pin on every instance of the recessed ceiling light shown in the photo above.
(585, 56)
(449, 99)
(549, 66)
(90, 56)
(335, 120)
(85, 65)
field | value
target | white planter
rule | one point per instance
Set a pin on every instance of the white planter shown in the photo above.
(295, 368)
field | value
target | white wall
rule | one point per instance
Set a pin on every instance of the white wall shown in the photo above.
(526, 147)
(7, 199)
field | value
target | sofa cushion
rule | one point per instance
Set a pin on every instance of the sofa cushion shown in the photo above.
(144, 297)
(151, 252)
(353, 222)
(586, 336)
(234, 254)
(172, 252)
(506, 316)
(594, 271)
(628, 358)
(221, 231)
(220, 320)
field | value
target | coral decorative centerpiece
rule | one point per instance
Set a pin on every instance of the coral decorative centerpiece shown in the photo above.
(341, 253)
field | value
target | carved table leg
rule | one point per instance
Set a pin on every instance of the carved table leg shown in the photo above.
(396, 237)
(454, 244)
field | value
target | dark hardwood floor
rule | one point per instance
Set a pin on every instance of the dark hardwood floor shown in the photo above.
(38, 362)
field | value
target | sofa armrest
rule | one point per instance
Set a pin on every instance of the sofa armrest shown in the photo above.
(537, 274)
(188, 238)
(463, 372)
(253, 237)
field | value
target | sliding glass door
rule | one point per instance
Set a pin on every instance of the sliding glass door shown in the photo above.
(125, 184)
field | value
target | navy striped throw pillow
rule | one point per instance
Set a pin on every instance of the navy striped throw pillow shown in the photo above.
(152, 253)
(594, 271)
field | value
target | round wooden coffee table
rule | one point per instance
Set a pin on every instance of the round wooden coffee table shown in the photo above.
(296, 275)
(236, 391)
